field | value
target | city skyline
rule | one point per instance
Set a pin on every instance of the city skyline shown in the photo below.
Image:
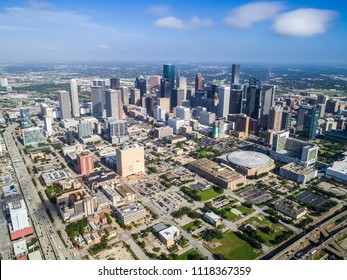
(178, 32)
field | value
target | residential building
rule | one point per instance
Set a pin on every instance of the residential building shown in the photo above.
(75, 105)
(85, 163)
(130, 160)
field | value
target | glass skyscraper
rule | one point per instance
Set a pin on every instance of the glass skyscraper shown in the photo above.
(25, 121)
(169, 73)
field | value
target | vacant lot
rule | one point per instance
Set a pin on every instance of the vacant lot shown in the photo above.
(206, 195)
(231, 247)
(191, 254)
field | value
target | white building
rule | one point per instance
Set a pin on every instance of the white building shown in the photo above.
(224, 100)
(169, 235)
(176, 125)
(183, 113)
(159, 113)
(75, 105)
(48, 125)
(338, 171)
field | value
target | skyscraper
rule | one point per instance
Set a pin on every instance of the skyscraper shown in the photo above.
(64, 101)
(135, 96)
(199, 82)
(165, 88)
(114, 106)
(252, 104)
(48, 125)
(115, 83)
(235, 74)
(117, 131)
(267, 100)
(307, 123)
(235, 106)
(275, 118)
(25, 120)
(178, 95)
(181, 82)
(101, 83)
(75, 105)
(85, 129)
(130, 160)
(286, 120)
(97, 101)
(141, 84)
(125, 94)
(164, 103)
(169, 73)
(224, 101)
(154, 82)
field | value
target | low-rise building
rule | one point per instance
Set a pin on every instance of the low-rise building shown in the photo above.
(50, 177)
(213, 219)
(298, 173)
(221, 175)
(19, 225)
(131, 213)
(161, 132)
(289, 209)
(338, 171)
(169, 235)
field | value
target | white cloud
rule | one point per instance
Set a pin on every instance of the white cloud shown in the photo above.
(104, 47)
(158, 10)
(245, 15)
(173, 22)
(304, 22)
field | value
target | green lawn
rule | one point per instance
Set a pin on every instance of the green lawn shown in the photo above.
(184, 256)
(232, 217)
(233, 248)
(188, 226)
(206, 195)
(245, 210)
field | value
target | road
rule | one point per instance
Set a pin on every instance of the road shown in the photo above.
(5, 243)
(51, 245)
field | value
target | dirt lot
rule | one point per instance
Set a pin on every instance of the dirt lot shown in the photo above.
(116, 252)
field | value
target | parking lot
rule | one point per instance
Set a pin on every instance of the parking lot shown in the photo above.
(311, 199)
(256, 196)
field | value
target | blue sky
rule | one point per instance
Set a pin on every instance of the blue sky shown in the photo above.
(174, 31)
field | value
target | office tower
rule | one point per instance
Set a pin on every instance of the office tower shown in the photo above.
(117, 131)
(130, 160)
(43, 107)
(154, 82)
(183, 113)
(235, 106)
(115, 83)
(164, 103)
(176, 125)
(159, 113)
(267, 100)
(85, 129)
(141, 84)
(186, 103)
(84, 163)
(199, 82)
(25, 118)
(64, 102)
(224, 101)
(135, 96)
(181, 82)
(206, 118)
(101, 83)
(148, 103)
(286, 120)
(48, 125)
(275, 118)
(125, 94)
(33, 136)
(218, 129)
(177, 96)
(48, 112)
(307, 123)
(235, 74)
(165, 88)
(241, 124)
(252, 104)
(332, 106)
(97, 101)
(198, 98)
(169, 73)
(75, 105)
(70, 136)
(114, 105)
(321, 98)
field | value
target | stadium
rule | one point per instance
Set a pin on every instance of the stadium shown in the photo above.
(249, 163)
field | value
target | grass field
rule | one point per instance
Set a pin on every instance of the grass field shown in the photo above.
(233, 248)
(245, 210)
(184, 256)
(206, 195)
(232, 217)
(188, 226)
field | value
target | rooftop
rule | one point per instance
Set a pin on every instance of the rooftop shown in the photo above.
(248, 159)
(212, 216)
(299, 169)
(169, 232)
(339, 166)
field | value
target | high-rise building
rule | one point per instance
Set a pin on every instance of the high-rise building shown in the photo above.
(206, 118)
(176, 125)
(199, 82)
(102, 84)
(235, 74)
(275, 118)
(177, 96)
(75, 105)
(154, 82)
(224, 101)
(141, 84)
(117, 131)
(252, 104)
(25, 118)
(130, 160)
(70, 136)
(164, 103)
(165, 88)
(181, 82)
(183, 113)
(97, 101)
(267, 100)
(114, 105)
(48, 125)
(125, 94)
(169, 73)
(286, 120)
(332, 106)
(148, 102)
(218, 129)
(85, 129)
(85, 163)
(135, 97)
(159, 113)
(33, 136)
(307, 123)
(235, 106)
(115, 83)
(241, 123)
(64, 102)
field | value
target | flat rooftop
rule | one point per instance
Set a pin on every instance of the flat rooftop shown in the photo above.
(339, 166)
(299, 169)
(169, 232)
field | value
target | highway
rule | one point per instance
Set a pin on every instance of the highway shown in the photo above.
(51, 245)
(5, 243)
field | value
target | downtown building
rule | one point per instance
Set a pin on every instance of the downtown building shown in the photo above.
(130, 160)
(19, 225)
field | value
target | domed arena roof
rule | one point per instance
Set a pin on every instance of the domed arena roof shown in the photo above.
(248, 159)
